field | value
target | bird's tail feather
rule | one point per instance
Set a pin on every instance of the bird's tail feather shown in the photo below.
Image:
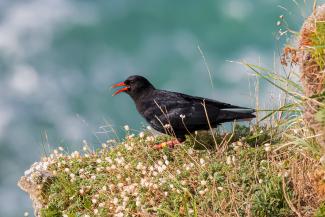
(235, 114)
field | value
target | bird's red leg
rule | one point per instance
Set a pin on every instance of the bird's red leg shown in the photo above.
(169, 144)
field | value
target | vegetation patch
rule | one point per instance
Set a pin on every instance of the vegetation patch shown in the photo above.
(133, 179)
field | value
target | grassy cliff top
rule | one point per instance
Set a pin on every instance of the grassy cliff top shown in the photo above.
(131, 178)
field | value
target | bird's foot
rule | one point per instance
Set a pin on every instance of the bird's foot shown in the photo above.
(169, 144)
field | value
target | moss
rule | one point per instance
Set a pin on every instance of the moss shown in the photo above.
(320, 212)
(318, 44)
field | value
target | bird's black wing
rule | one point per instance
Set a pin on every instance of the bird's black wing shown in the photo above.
(188, 113)
(210, 102)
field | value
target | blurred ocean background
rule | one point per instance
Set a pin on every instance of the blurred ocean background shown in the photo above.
(58, 59)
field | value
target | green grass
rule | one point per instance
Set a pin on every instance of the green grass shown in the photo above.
(318, 54)
(318, 44)
(134, 179)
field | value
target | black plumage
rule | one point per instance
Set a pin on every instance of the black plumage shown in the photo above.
(176, 113)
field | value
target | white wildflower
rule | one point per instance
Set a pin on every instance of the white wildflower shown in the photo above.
(322, 160)
(115, 201)
(202, 161)
(141, 134)
(119, 214)
(167, 126)
(126, 127)
(233, 159)
(201, 192)
(182, 116)
(108, 159)
(220, 188)
(26, 214)
(267, 147)
(94, 200)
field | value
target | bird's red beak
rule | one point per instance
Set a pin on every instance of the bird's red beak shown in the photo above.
(121, 84)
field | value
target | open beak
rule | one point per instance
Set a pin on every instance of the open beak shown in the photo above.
(121, 84)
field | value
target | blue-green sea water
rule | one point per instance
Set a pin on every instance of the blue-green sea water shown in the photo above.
(58, 59)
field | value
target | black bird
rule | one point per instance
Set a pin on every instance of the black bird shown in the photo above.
(179, 114)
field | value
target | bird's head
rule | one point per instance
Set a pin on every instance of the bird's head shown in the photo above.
(134, 86)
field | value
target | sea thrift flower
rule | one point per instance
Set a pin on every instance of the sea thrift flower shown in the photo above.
(141, 134)
(233, 159)
(267, 147)
(201, 192)
(203, 182)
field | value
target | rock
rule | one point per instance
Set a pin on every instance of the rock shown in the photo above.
(35, 181)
